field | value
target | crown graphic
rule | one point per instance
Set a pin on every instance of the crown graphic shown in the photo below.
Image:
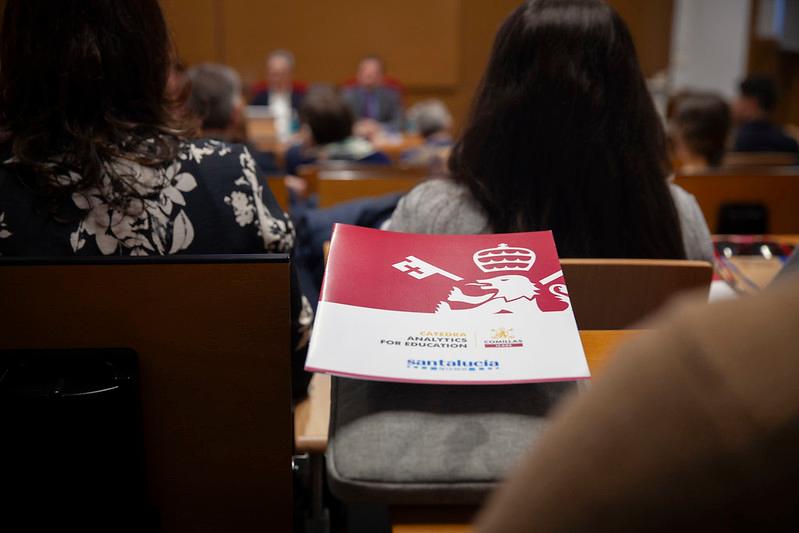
(504, 258)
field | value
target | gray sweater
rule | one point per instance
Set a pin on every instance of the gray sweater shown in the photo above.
(443, 206)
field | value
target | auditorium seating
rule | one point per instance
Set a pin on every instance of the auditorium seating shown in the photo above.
(775, 188)
(609, 294)
(342, 181)
(759, 159)
(212, 335)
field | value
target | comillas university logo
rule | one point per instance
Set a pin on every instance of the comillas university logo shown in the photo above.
(503, 338)
(511, 291)
(458, 365)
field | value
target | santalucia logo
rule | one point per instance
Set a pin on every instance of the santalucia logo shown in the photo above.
(480, 365)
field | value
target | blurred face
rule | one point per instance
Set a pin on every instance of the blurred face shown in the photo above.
(370, 73)
(745, 109)
(278, 74)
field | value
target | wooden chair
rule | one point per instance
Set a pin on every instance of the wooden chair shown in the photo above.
(758, 159)
(277, 185)
(213, 342)
(609, 294)
(341, 181)
(776, 188)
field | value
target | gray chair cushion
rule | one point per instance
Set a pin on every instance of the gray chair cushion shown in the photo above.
(414, 444)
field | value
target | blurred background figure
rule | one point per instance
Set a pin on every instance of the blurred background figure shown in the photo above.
(327, 131)
(753, 111)
(280, 92)
(432, 120)
(699, 127)
(216, 103)
(375, 104)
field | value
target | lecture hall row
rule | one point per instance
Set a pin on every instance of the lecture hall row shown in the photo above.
(164, 236)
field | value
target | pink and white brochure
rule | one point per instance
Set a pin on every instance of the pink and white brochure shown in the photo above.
(448, 309)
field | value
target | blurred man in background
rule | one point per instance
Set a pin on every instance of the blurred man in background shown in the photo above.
(374, 104)
(281, 93)
(753, 112)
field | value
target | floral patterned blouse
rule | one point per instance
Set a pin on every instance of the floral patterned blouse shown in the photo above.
(209, 200)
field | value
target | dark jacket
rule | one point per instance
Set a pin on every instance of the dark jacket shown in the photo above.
(389, 104)
(262, 98)
(764, 136)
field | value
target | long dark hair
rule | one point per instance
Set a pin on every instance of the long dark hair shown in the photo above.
(563, 135)
(83, 83)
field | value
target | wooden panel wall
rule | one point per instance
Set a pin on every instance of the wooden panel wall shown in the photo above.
(418, 39)
(766, 57)
(437, 47)
(650, 24)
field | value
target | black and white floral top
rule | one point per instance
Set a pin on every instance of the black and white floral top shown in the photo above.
(208, 201)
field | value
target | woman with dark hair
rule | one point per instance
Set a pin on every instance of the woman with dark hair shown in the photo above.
(95, 162)
(563, 136)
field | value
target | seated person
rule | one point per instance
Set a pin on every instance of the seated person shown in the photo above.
(96, 163)
(699, 128)
(753, 111)
(691, 427)
(434, 123)
(543, 148)
(375, 105)
(327, 124)
(215, 102)
(280, 92)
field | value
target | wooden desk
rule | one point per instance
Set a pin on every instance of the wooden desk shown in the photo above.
(312, 420)
(312, 416)
(432, 519)
(395, 147)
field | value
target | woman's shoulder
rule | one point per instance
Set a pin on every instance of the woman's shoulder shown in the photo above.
(686, 203)
(695, 233)
(215, 153)
(439, 206)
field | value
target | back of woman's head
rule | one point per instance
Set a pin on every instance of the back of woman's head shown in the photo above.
(701, 122)
(327, 115)
(563, 135)
(83, 82)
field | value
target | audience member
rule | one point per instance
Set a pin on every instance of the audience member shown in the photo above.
(693, 427)
(433, 122)
(95, 162)
(699, 127)
(327, 124)
(281, 93)
(752, 111)
(216, 103)
(374, 104)
(563, 136)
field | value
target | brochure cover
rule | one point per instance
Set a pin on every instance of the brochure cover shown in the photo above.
(449, 309)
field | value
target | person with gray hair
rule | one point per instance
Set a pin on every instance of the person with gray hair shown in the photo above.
(216, 102)
(432, 120)
(215, 99)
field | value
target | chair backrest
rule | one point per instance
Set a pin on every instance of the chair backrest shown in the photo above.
(341, 181)
(776, 188)
(759, 159)
(617, 293)
(260, 128)
(277, 184)
(212, 335)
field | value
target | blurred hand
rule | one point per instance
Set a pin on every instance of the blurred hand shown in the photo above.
(367, 128)
(297, 185)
